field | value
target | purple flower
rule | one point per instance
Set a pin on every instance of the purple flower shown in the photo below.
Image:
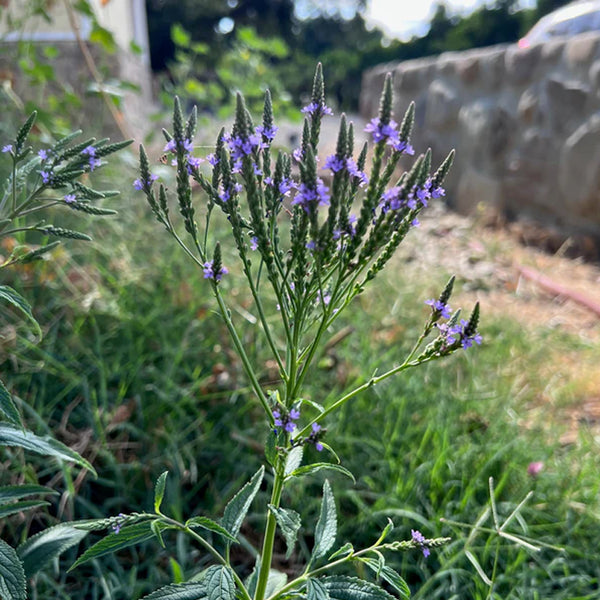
(436, 306)
(47, 177)
(253, 243)
(170, 146)
(188, 146)
(420, 540)
(381, 131)
(257, 170)
(355, 172)
(193, 163)
(43, 154)
(298, 154)
(240, 146)
(138, 184)
(7, 148)
(401, 146)
(209, 271)
(415, 223)
(94, 162)
(267, 132)
(212, 159)
(70, 198)
(89, 151)
(285, 186)
(311, 245)
(317, 108)
(307, 197)
(314, 436)
(116, 527)
(334, 163)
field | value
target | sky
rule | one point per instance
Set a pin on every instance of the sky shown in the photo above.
(405, 18)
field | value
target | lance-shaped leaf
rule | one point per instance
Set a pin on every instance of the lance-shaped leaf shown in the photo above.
(126, 537)
(210, 525)
(289, 522)
(179, 591)
(16, 507)
(7, 406)
(294, 459)
(220, 584)
(9, 493)
(352, 588)
(12, 575)
(310, 469)
(316, 590)
(388, 575)
(159, 491)
(40, 549)
(16, 300)
(238, 506)
(326, 529)
(46, 446)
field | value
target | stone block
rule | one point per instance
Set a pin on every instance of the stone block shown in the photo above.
(468, 69)
(567, 101)
(581, 49)
(443, 105)
(521, 63)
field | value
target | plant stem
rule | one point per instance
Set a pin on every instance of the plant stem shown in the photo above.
(267, 549)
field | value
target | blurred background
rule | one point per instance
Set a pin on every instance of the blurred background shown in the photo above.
(135, 370)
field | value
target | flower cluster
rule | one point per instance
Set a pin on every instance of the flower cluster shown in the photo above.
(240, 146)
(389, 133)
(139, 185)
(47, 177)
(192, 162)
(336, 164)
(90, 152)
(7, 148)
(439, 308)
(285, 420)
(309, 197)
(317, 109)
(420, 540)
(418, 196)
(458, 334)
(214, 273)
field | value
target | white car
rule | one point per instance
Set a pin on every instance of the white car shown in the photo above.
(572, 19)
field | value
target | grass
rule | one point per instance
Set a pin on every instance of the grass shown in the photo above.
(137, 373)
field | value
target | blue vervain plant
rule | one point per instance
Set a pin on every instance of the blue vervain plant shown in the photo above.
(50, 179)
(305, 255)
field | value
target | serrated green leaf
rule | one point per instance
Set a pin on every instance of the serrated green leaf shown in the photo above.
(40, 549)
(127, 536)
(271, 448)
(316, 590)
(7, 406)
(220, 584)
(352, 588)
(179, 591)
(388, 575)
(294, 459)
(210, 525)
(12, 574)
(238, 506)
(315, 467)
(326, 528)
(159, 491)
(46, 446)
(9, 493)
(16, 300)
(12, 509)
(289, 522)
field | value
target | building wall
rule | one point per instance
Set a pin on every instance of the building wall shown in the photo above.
(525, 124)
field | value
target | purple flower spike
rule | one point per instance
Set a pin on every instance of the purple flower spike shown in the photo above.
(420, 540)
(317, 108)
(334, 163)
(210, 273)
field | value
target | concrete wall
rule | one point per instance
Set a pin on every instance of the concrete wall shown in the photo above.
(525, 124)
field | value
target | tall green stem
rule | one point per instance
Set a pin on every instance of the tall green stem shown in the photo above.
(267, 550)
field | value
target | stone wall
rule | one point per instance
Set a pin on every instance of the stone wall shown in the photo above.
(525, 124)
